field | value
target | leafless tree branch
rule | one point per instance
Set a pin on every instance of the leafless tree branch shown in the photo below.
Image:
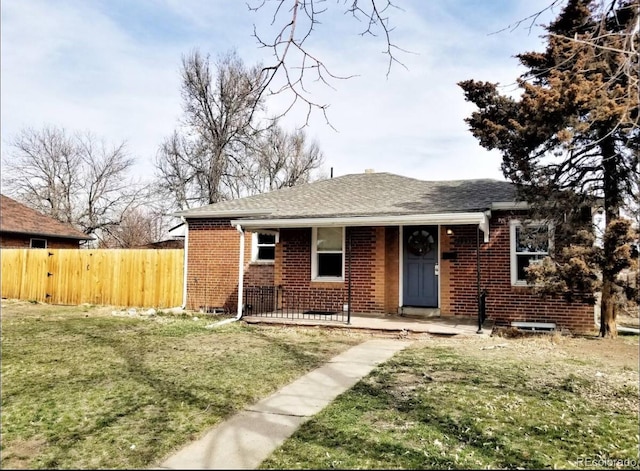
(293, 56)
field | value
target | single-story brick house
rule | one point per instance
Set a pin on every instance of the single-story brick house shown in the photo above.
(375, 243)
(22, 228)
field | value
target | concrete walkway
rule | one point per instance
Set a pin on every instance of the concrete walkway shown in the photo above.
(248, 438)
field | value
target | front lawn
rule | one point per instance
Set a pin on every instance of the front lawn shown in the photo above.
(85, 389)
(541, 402)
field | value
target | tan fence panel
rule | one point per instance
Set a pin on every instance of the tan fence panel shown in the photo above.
(119, 277)
(13, 262)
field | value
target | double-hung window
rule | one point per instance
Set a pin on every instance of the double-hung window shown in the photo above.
(327, 262)
(529, 244)
(264, 248)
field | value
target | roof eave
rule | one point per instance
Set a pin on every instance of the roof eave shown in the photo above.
(229, 213)
(45, 234)
(509, 205)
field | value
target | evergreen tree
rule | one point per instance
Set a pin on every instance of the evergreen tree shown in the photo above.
(571, 141)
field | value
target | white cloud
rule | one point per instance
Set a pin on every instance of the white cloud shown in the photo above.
(413, 121)
(112, 68)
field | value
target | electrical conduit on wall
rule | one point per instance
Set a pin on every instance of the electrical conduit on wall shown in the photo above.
(185, 265)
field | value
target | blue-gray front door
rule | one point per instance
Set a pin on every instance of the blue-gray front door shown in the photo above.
(420, 279)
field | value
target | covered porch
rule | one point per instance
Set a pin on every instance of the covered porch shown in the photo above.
(373, 265)
(275, 305)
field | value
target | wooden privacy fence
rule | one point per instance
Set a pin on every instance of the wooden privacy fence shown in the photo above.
(119, 277)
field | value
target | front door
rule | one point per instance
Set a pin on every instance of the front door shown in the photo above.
(420, 277)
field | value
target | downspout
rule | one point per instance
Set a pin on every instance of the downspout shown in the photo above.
(482, 294)
(185, 264)
(349, 283)
(240, 284)
(480, 319)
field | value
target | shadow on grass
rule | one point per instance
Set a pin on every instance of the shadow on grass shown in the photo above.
(427, 411)
(160, 399)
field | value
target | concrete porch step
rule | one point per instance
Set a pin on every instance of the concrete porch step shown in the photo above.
(419, 312)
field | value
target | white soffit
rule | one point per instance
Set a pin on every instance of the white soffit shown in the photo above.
(479, 218)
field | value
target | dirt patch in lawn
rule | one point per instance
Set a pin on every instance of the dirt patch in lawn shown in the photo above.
(619, 353)
(22, 452)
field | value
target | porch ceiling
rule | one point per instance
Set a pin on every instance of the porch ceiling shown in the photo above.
(475, 218)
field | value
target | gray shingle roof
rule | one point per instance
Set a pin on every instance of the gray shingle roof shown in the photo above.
(365, 194)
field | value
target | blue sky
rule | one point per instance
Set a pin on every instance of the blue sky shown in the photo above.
(112, 67)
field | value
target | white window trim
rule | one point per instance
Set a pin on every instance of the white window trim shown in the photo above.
(254, 250)
(34, 238)
(314, 258)
(515, 223)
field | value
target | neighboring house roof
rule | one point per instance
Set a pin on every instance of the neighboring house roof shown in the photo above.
(20, 219)
(364, 195)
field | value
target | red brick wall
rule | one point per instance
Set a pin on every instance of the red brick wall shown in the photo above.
(212, 275)
(368, 266)
(446, 290)
(458, 282)
(16, 241)
(293, 265)
(505, 303)
(367, 261)
(392, 269)
(258, 274)
(212, 265)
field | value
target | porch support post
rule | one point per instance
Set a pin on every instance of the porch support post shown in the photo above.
(484, 225)
(349, 280)
(240, 272)
(478, 279)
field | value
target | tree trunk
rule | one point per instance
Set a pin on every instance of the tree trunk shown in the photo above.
(608, 328)
(612, 202)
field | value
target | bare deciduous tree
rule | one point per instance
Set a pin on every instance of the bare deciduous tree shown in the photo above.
(177, 171)
(199, 164)
(226, 147)
(42, 170)
(281, 160)
(137, 227)
(295, 22)
(77, 179)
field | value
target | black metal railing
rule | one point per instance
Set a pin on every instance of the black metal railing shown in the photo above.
(275, 301)
(482, 309)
